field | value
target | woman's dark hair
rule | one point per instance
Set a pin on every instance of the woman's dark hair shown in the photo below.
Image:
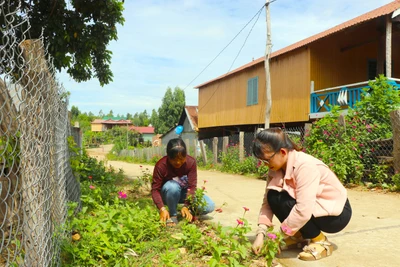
(272, 139)
(176, 147)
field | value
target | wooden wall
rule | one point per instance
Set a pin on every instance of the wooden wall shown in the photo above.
(224, 102)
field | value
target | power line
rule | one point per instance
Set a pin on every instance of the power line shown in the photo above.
(258, 13)
(240, 50)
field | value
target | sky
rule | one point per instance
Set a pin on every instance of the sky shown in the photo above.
(168, 43)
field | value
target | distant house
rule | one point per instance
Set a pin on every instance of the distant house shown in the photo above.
(147, 132)
(188, 120)
(329, 68)
(106, 123)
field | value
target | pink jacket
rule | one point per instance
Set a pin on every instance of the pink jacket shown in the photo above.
(315, 187)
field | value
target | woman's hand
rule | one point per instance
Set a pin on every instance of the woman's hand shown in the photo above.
(258, 244)
(186, 214)
(164, 214)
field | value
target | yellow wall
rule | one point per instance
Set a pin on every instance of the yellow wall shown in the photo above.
(225, 101)
(97, 127)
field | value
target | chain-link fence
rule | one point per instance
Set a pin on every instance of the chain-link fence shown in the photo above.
(36, 180)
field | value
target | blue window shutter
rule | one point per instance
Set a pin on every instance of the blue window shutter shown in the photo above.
(249, 91)
(255, 91)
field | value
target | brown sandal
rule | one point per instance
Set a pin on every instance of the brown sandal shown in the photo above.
(316, 250)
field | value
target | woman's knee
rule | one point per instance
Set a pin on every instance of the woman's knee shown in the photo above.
(171, 187)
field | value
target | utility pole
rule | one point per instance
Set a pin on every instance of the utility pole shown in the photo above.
(268, 48)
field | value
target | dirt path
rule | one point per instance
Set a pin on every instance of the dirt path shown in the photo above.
(370, 240)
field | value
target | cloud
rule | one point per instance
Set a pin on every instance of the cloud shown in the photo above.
(168, 43)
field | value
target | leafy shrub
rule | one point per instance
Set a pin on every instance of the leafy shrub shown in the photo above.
(345, 147)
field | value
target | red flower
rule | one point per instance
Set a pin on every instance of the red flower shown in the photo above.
(239, 221)
(219, 210)
(122, 194)
(246, 209)
(90, 177)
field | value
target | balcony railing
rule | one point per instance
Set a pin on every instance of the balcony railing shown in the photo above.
(345, 96)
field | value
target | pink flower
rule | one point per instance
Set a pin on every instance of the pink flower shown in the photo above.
(90, 177)
(203, 188)
(272, 236)
(92, 187)
(239, 221)
(122, 194)
(205, 181)
(246, 209)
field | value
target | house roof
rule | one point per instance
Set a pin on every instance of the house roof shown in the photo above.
(143, 130)
(191, 113)
(381, 11)
(100, 121)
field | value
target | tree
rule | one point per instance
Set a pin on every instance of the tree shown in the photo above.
(154, 118)
(110, 114)
(144, 118)
(140, 119)
(74, 113)
(76, 32)
(170, 110)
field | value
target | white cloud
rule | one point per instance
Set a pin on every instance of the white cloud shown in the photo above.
(167, 43)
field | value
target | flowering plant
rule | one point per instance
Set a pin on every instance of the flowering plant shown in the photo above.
(273, 242)
(196, 200)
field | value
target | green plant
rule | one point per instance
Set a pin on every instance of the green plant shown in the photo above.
(196, 200)
(273, 242)
(348, 148)
(396, 181)
(143, 181)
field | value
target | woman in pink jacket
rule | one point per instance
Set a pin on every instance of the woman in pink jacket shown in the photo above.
(303, 193)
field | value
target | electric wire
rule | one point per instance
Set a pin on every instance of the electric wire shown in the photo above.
(237, 55)
(201, 72)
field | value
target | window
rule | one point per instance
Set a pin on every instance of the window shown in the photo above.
(372, 69)
(252, 91)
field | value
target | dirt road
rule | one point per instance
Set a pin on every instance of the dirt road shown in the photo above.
(370, 240)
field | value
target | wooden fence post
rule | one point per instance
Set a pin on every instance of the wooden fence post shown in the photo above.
(203, 152)
(395, 119)
(215, 150)
(187, 143)
(195, 148)
(225, 143)
(241, 146)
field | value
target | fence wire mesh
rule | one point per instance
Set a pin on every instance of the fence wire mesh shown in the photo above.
(36, 180)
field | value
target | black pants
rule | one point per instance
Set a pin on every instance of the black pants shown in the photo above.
(282, 203)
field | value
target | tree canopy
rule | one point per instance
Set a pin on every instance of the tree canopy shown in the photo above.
(170, 110)
(77, 33)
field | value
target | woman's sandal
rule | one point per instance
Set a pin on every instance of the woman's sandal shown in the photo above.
(292, 242)
(316, 250)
